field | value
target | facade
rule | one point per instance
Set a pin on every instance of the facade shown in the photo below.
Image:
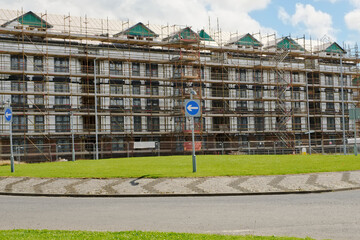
(130, 86)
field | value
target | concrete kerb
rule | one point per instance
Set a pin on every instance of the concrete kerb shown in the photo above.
(175, 195)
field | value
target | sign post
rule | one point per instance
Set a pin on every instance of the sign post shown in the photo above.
(354, 114)
(192, 109)
(8, 118)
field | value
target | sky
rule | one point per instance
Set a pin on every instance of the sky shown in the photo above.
(334, 20)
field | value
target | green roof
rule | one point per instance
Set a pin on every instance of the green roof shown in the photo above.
(288, 43)
(30, 19)
(248, 40)
(185, 34)
(204, 36)
(138, 30)
(334, 48)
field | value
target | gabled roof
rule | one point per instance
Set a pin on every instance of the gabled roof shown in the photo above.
(289, 43)
(204, 36)
(30, 19)
(245, 40)
(286, 43)
(138, 30)
(185, 35)
(330, 47)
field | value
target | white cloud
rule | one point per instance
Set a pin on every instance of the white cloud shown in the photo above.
(315, 22)
(352, 20)
(232, 14)
(355, 3)
(283, 15)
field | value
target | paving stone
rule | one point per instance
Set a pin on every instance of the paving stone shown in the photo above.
(218, 185)
(175, 186)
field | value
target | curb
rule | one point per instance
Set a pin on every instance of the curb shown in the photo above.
(175, 195)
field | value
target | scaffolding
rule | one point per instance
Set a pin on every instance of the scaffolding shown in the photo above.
(267, 93)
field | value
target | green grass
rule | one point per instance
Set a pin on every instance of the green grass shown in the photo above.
(82, 235)
(181, 166)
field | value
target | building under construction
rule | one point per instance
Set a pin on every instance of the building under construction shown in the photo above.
(79, 84)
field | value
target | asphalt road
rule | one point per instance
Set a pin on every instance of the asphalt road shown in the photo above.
(328, 215)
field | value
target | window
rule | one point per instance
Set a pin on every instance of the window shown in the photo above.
(115, 68)
(241, 92)
(62, 123)
(257, 76)
(346, 123)
(39, 124)
(116, 101)
(135, 67)
(38, 64)
(197, 72)
(330, 96)
(117, 144)
(61, 64)
(39, 87)
(18, 62)
(153, 124)
(258, 93)
(136, 104)
(152, 90)
(63, 145)
(178, 71)
(259, 123)
(297, 123)
(296, 96)
(243, 141)
(151, 70)
(137, 124)
(258, 105)
(117, 123)
(329, 80)
(152, 104)
(136, 90)
(19, 123)
(345, 95)
(62, 101)
(241, 104)
(116, 87)
(19, 98)
(330, 123)
(295, 77)
(240, 75)
(242, 123)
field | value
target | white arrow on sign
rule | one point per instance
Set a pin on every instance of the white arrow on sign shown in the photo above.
(190, 108)
(7, 114)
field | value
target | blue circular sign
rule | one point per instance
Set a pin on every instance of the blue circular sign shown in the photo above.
(8, 114)
(192, 108)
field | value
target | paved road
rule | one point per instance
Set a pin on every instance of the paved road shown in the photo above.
(327, 215)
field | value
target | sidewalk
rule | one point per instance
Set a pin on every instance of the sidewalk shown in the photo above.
(125, 187)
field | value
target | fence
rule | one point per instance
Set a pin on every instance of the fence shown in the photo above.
(64, 151)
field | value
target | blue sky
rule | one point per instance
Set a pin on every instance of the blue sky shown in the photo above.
(339, 20)
(268, 17)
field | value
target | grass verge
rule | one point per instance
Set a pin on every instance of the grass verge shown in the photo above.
(74, 235)
(181, 166)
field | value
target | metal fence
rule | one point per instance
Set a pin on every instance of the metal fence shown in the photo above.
(64, 151)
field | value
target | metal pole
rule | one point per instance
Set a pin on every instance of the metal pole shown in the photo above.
(308, 114)
(355, 146)
(72, 135)
(193, 139)
(11, 149)
(96, 115)
(342, 103)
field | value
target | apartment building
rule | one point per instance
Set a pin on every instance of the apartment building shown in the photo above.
(75, 81)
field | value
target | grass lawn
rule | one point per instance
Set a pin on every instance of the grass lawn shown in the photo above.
(181, 166)
(81, 235)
